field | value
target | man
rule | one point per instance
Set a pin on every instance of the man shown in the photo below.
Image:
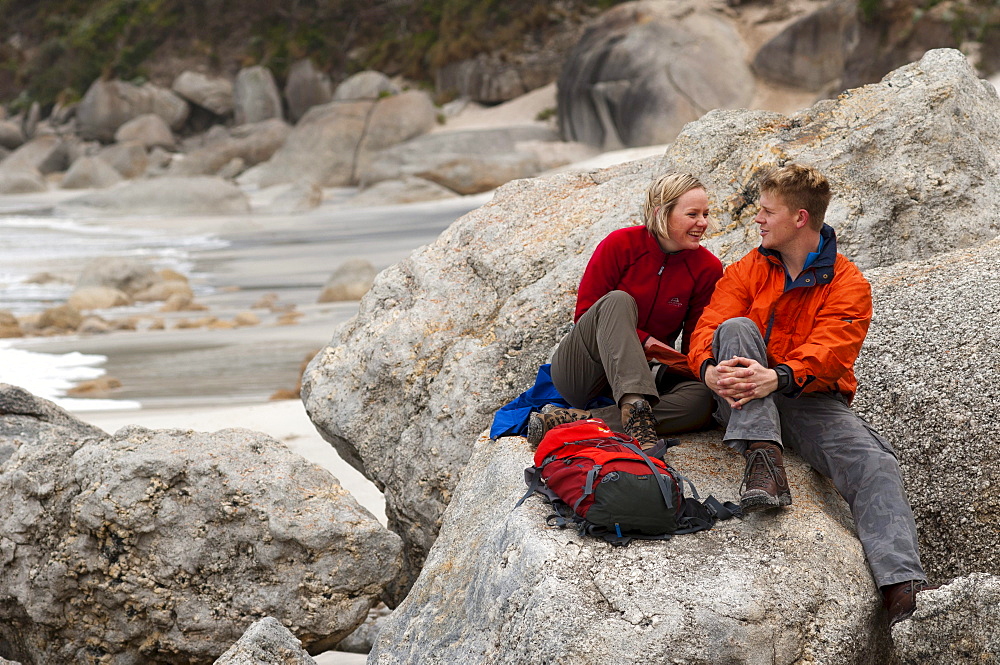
(777, 345)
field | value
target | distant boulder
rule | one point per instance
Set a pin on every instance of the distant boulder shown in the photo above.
(255, 96)
(213, 93)
(306, 87)
(110, 104)
(398, 118)
(365, 85)
(251, 143)
(90, 173)
(98, 297)
(11, 136)
(301, 196)
(167, 195)
(9, 325)
(266, 642)
(22, 182)
(126, 275)
(46, 154)
(350, 281)
(129, 158)
(408, 189)
(643, 70)
(149, 130)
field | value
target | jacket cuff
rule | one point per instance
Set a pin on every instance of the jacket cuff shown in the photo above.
(709, 362)
(786, 380)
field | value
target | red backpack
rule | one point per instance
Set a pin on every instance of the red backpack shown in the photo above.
(604, 483)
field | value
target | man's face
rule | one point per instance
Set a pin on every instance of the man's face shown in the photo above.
(778, 223)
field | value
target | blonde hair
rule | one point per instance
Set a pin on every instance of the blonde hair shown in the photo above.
(800, 188)
(661, 197)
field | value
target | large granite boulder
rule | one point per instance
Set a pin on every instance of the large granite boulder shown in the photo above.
(365, 85)
(25, 418)
(161, 546)
(305, 88)
(214, 93)
(90, 173)
(11, 136)
(466, 161)
(252, 144)
(255, 96)
(925, 376)
(958, 624)
(169, 195)
(22, 182)
(266, 642)
(499, 586)
(459, 328)
(129, 158)
(644, 69)
(45, 154)
(149, 130)
(128, 275)
(899, 193)
(110, 104)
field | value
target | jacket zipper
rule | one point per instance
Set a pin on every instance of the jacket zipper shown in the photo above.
(656, 294)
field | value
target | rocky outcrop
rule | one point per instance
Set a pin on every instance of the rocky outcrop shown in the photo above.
(465, 161)
(500, 586)
(266, 642)
(162, 546)
(130, 158)
(409, 189)
(110, 104)
(251, 144)
(306, 87)
(11, 136)
(924, 378)
(90, 173)
(462, 325)
(45, 154)
(956, 624)
(21, 182)
(149, 130)
(25, 419)
(350, 281)
(213, 93)
(129, 276)
(645, 69)
(195, 195)
(365, 85)
(98, 297)
(255, 96)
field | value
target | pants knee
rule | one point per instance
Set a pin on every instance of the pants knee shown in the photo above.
(737, 325)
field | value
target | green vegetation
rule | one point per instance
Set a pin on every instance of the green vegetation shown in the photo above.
(73, 42)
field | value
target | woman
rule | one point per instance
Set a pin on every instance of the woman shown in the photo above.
(644, 285)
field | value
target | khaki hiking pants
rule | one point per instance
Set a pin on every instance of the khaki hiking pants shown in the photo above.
(835, 441)
(602, 355)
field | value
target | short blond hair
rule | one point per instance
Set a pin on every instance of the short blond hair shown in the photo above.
(661, 197)
(800, 187)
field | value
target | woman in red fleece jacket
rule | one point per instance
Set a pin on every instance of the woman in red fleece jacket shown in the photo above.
(644, 286)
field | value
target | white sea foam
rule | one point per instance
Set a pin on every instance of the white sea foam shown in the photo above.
(50, 376)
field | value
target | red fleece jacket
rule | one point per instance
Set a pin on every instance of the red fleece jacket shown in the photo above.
(671, 290)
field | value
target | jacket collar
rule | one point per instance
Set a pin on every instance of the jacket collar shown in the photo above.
(819, 271)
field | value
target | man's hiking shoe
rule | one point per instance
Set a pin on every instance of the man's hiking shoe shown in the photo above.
(639, 423)
(550, 416)
(765, 484)
(900, 600)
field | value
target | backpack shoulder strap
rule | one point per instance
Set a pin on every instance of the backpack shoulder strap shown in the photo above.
(664, 490)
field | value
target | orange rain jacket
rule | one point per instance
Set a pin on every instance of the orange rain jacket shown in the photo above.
(814, 326)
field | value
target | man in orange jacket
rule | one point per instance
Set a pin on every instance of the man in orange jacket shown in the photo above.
(777, 345)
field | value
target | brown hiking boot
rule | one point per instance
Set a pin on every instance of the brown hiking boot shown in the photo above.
(639, 423)
(900, 600)
(765, 484)
(550, 416)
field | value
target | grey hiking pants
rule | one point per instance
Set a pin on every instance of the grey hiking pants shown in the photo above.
(602, 355)
(831, 438)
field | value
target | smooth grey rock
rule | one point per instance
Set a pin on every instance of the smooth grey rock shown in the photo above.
(155, 542)
(467, 161)
(398, 118)
(22, 182)
(303, 195)
(363, 638)
(409, 189)
(958, 624)
(306, 87)
(168, 195)
(811, 51)
(500, 586)
(252, 144)
(11, 137)
(129, 158)
(266, 642)
(491, 78)
(148, 129)
(127, 275)
(110, 104)
(925, 383)
(98, 297)
(365, 85)
(350, 281)
(644, 69)
(898, 194)
(255, 96)
(90, 173)
(26, 419)
(214, 93)
(45, 154)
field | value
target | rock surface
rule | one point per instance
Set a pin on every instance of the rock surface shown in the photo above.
(212, 93)
(350, 281)
(255, 96)
(956, 624)
(365, 85)
(25, 419)
(252, 144)
(306, 87)
(644, 69)
(169, 195)
(266, 642)
(501, 587)
(459, 328)
(110, 104)
(90, 173)
(148, 129)
(124, 274)
(161, 546)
